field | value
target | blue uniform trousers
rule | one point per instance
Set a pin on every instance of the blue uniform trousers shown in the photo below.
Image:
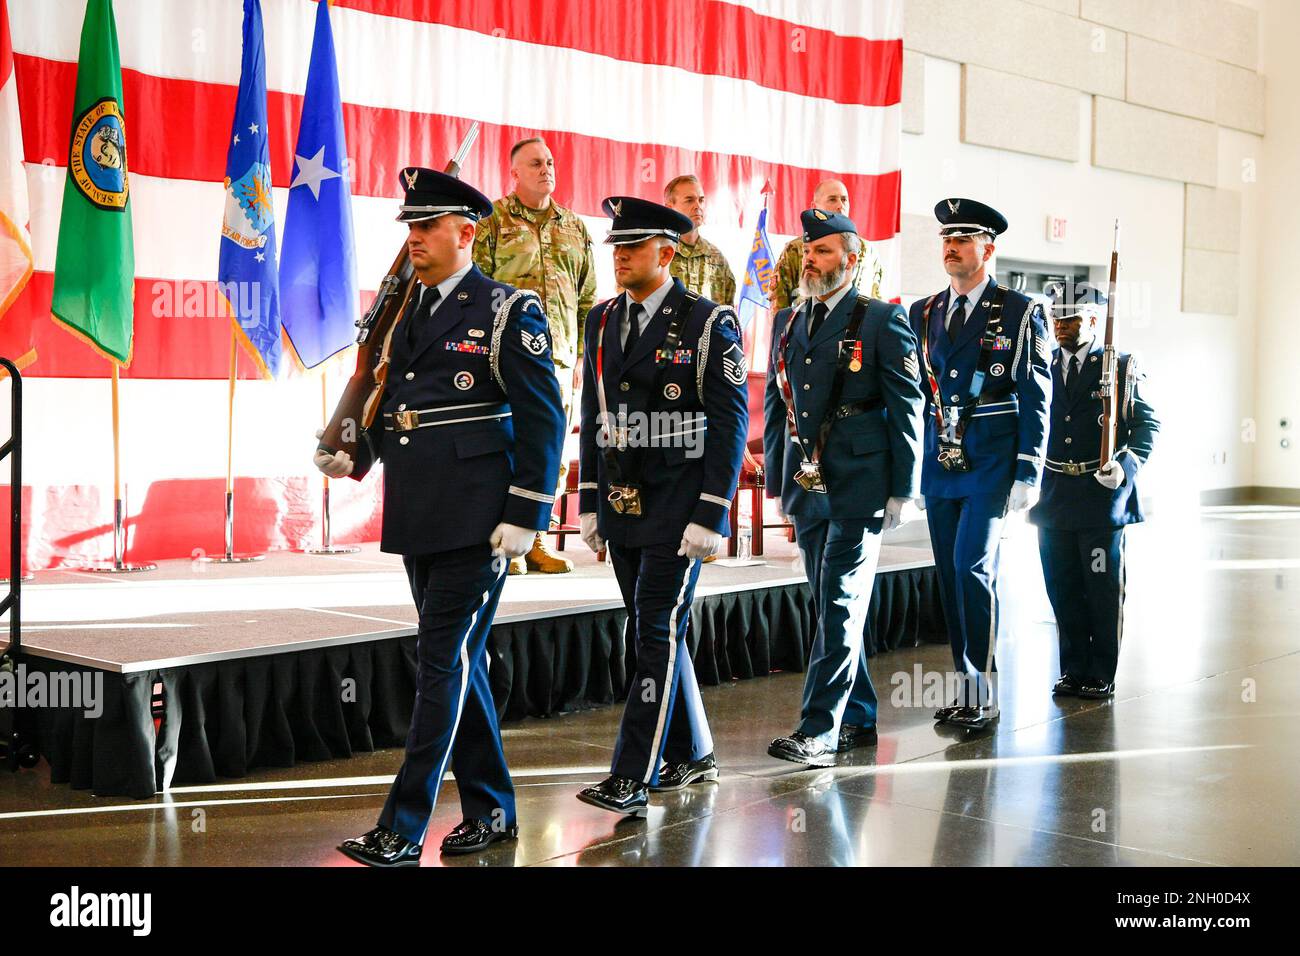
(1084, 574)
(663, 707)
(454, 719)
(965, 534)
(839, 557)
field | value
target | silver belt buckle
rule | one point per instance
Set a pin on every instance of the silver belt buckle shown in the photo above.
(405, 421)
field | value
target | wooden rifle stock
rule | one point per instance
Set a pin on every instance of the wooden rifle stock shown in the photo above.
(1108, 389)
(359, 404)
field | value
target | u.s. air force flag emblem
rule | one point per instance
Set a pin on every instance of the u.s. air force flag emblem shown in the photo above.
(97, 160)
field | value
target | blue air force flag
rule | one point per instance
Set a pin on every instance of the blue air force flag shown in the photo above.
(318, 279)
(247, 273)
(759, 273)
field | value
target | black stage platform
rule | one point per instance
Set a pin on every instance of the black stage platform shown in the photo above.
(303, 657)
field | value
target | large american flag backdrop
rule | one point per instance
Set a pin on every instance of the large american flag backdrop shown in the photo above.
(742, 93)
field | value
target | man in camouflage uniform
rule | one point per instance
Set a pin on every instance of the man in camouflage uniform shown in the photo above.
(831, 195)
(532, 242)
(698, 263)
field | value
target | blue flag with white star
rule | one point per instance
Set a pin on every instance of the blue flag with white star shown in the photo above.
(759, 272)
(318, 280)
(247, 273)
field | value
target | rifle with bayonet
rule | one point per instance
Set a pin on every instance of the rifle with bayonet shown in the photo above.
(361, 397)
(1108, 390)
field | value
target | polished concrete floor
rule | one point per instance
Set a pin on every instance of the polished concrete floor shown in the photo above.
(1193, 763)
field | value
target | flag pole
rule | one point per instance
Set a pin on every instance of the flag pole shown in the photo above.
(230, 557)
(119, 564)
(326, 545)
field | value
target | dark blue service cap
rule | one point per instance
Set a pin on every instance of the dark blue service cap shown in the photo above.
(1068, 299)
(430, 194)
(818, 223)
(966, 217)
(635, 220)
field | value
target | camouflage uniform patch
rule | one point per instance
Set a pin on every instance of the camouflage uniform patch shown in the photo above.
(704, 270)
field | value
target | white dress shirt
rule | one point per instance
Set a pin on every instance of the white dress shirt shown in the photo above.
(972, 297)
(446, 286)
(649, 306)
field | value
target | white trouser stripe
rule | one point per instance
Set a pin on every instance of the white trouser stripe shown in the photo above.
(664, 695)
(464, 681)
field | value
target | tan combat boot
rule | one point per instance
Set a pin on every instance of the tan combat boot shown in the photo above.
(518, 566)
(539, 559)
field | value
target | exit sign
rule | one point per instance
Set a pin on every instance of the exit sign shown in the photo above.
(1057, 227)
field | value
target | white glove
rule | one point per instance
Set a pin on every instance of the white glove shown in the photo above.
(1023, 496)
(780, 512)
(590, 535)
(699, 542)
(1111, 476)
(337, 465)
(894, 513)
(510, 540)
(920, 503)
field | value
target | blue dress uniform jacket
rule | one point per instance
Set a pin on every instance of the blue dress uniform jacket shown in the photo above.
(869, 457)
(1006, 438)
(707, 376)
(491, 422)
(1071, 502)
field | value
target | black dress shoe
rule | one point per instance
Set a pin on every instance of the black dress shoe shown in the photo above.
(619, 795)
(943, 713)
(382, 847)
(1067, 686)
(974, 718)
(677, 776)
(800, 748)
(852, 736)
(470, 836)
(1093, 689)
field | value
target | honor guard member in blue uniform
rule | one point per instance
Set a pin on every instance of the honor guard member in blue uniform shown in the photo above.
(842, 446)
(470, 436)
(1084, 507)
(984, 356)
(664, 420)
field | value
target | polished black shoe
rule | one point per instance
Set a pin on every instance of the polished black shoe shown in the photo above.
(1067, 686)
(470, 836)
(800, 748)
(677, 776)
(943, 713)
(974, 718)
(619, 795)
(853, 736)
(1093, 689)
(382, 847)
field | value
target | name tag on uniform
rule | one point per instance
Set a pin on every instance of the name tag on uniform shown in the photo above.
(675, 357)
(474, 348)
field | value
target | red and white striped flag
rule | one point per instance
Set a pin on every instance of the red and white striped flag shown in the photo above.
(15, 240)
(738, 92)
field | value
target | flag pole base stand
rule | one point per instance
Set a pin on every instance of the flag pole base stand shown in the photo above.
(117, 567)
(232, 558)
(329, 549)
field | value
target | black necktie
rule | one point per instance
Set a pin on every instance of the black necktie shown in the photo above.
(1072, 374)
(818, 317)
(957, 318)
(420, 317)
(633, 328)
